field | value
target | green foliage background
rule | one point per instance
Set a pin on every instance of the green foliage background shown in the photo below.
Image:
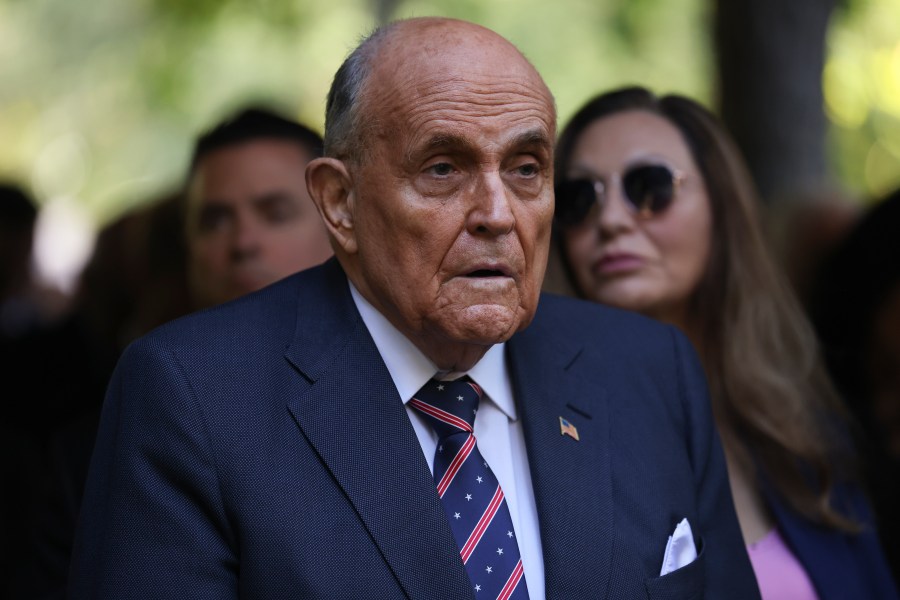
(100, 99)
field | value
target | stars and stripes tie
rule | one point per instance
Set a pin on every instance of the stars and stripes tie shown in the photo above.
(469, 491)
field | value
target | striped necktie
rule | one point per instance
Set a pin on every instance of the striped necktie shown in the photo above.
(469, 491)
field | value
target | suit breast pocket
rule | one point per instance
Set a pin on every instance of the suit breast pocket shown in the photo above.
(686, 583)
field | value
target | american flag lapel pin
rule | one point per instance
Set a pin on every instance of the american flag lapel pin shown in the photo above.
(566, 428)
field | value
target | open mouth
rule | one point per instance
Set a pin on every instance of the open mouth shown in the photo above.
(481, 273)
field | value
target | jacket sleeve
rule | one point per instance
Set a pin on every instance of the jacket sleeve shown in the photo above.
(152, 522)
(867, 544)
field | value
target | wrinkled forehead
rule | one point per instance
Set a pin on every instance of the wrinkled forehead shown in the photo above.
(454, 67)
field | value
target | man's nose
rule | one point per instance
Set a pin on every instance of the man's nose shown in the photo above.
(245, 238)
(492, 213)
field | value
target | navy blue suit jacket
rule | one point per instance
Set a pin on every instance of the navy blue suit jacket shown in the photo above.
(260, 450)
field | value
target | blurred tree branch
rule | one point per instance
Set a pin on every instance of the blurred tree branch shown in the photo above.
(770, 57)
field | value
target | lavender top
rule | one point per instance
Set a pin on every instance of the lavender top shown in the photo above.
(778, 572)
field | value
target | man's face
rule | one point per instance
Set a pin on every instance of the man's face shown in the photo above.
(250, 220)
(453, 204)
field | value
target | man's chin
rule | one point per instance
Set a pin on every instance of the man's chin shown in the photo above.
(483, 324)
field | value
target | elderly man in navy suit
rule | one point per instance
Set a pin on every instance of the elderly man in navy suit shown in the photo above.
(413, 419)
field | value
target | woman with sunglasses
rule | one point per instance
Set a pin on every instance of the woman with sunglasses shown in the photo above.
(656, 213)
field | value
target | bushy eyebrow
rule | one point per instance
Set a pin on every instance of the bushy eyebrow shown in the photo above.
(446, 141)
(273, 197)
(450, 141)
(533, 137)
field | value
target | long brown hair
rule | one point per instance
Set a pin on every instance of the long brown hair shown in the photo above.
(775, 407)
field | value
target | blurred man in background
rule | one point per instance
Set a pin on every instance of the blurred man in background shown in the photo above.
(249, 219)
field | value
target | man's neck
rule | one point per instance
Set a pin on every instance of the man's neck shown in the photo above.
(455, 358)
(448, 355)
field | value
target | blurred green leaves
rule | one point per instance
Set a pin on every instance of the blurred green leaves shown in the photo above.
(862, 95)
(100, 100)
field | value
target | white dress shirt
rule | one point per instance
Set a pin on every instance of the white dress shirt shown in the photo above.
(498, 432)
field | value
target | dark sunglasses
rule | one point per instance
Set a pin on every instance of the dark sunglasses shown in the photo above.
(648, 190)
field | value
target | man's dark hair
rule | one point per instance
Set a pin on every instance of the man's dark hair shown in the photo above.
(344, 125)
(18, 216)
(255, 123)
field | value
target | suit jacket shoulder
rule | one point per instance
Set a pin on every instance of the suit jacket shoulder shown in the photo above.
(647, 457)
(259, 449)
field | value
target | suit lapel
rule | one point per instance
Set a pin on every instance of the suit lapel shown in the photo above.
(571, 479)
(353, 417)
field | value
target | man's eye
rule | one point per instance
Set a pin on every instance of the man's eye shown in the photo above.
(279, 210)
(441, 169)
(212, 220)
(528, 170)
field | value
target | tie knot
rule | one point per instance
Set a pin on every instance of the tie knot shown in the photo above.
(449, 406)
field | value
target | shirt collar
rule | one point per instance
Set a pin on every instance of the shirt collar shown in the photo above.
(410, 369)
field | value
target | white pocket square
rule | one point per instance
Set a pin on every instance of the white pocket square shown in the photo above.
(680, 550)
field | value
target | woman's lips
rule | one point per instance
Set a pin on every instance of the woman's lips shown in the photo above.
(617, 264)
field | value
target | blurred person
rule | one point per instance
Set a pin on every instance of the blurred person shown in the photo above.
(656, 213)
(856, 310)
(21, 304)
(250, 220)
(134, 281)
(136, 278)
(317, 438)
(33, 406)
(19, 315)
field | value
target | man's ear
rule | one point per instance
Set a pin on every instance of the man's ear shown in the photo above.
(329, 185)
